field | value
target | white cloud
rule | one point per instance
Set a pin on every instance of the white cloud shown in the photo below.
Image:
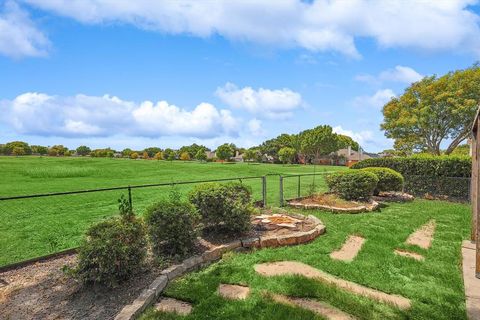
(377, 100)
(255, 127)
(91, 116)
(400, 74)
(278, 103)
(320, 25)
(361, 137)
(18, 35)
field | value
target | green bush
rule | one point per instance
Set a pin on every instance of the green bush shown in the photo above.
(388, 179)
(171, 227)
(225, 207)
(422, 165)
(353, 185)
(112, 251)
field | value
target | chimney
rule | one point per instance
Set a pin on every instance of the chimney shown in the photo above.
(349, 152)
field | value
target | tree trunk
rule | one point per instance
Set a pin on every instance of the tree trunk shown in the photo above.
(455, 143)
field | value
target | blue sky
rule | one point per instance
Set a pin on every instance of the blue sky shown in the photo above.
(122, 74)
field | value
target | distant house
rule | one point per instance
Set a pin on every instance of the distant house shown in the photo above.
(238, 157)
(351, 156)
(210, 154)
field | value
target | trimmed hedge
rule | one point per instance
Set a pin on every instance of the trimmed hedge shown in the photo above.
(444, 166)
(388, 179)
(225, 207)
(171, 227)
(353, 185)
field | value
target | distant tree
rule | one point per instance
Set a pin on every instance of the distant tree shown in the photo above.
(83, 151)
(201, 155)
(461, 150)
(192, 149)
(434, 110)
(287, 155)
(134, 155)
(127, 152)
(67, 153)
(2, 149)
(346, 141)
(145, 155)
(159, 156)
(18, 151)
(319, 141)
(184, 156)
(52, 152)
(60, 149)
(249, 154)
(169, 154)
(9, 146)
(152, 151)
(225, 151)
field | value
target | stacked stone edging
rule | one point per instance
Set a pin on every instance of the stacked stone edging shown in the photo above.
(371, 206)
(150, 294)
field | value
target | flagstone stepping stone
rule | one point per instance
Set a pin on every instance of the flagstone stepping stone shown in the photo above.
(349, 250)
(423, 236)
(233, 291)
(321, 308)
(409, 254)
(174, 306)
(279, 268)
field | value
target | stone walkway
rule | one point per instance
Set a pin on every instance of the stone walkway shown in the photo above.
(422, 237)
(233, 291)
(349, 250)
(472, 284)
(321, 308)
(298, 268)
(175, 306)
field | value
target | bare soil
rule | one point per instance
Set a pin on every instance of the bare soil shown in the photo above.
(233, 291)
(409, 254)
(331, 200)
(423, 237)
(175, 306)
(349, 250)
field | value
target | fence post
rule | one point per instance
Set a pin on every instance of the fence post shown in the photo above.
(130, 198)
(281, 191)
(264, 191)
(298, 187)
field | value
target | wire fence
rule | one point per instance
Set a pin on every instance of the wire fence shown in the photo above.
(42, 224)
(439, 187)
(301, 185)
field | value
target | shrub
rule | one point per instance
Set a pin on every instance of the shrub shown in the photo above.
(388, 179)
(225, 207)
(112, 251)
(353, 185)
(445, 166)
(171, 227)
(134, 155)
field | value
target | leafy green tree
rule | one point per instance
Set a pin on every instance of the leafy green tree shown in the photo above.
(159, 156)
(201, 155)
(184, 156)
(319, 141)
(18, 151)
(127, 152)
(169, 154)
(434, 110)
(287, 155)
(192, 150)
(2, 149)
(41, 150)
(225, 151)
(152, 151)
(251, 154)
(60, 149)
(134, 155)
(461, 150)
(83, 151)
(9, 146)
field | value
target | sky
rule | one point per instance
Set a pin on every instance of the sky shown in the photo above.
(142, 73)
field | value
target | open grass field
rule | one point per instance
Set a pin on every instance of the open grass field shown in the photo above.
(38, 226)
(434, 286)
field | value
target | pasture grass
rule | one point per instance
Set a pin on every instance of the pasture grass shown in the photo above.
(38, 226)
(434, 286)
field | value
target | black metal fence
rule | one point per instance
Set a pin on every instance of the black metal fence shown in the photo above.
(301, 185)
(41, 224)
(438, 187)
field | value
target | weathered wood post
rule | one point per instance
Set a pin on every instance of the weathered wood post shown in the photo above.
(475, 188)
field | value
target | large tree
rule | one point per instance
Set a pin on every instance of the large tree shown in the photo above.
(225, 151)
(434, 110)
(318, 141)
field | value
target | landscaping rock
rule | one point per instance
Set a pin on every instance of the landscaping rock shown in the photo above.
(233, 292)
(174, 271)
(175, 306)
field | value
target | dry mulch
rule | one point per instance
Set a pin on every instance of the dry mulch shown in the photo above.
(331, 200)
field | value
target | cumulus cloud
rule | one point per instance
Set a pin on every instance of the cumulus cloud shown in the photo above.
(377, 100)
(278, 103)
(362, 137)
(400, 74)
(96, 116)
(19, 36)
(320, 25)
(255, 127)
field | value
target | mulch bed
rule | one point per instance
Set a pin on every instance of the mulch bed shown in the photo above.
(43, 291)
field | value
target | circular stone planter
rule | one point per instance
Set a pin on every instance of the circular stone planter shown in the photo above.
(372, 205)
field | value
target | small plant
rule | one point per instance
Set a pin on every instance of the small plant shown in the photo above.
(111, 251)
(125, 207)
(388, 179)
(225, 207)
(353, 184)
(171, 226)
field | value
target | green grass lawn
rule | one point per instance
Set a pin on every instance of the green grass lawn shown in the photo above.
(434, 286)
(38, 226)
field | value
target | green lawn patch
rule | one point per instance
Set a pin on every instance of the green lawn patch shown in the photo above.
(434, 286)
